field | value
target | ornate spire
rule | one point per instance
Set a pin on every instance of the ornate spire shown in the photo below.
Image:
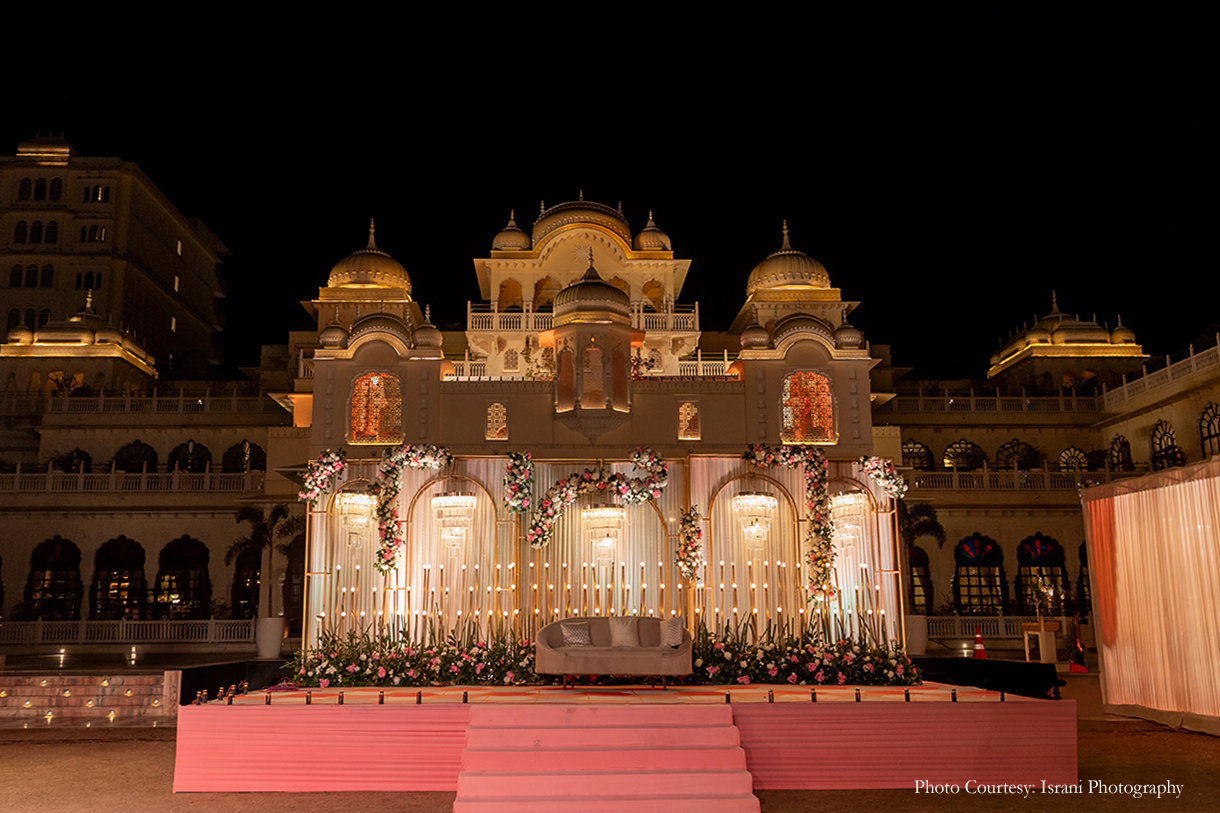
(372, 246)
(1054, 304)
(582, 195)
(89, 301)
(427, 314)
(786, 246)
(512, 220)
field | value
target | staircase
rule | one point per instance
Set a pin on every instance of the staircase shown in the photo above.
(126, 697)
(543, 758)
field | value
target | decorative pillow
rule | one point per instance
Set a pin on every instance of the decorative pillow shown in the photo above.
(671, 632)
(624, 632)
(576, 633)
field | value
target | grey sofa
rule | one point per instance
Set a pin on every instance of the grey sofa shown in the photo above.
(648, 659)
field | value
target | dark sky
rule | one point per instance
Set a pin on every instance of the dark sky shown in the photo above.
(949, 173)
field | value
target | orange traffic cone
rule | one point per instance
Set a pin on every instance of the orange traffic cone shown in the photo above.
(979, 650)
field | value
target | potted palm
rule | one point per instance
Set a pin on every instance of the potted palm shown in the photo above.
(267, 530)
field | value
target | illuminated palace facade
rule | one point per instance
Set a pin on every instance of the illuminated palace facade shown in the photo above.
(120, 482)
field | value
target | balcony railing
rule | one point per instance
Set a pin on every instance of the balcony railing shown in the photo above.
(12, 403)
(1204, 361)
(483, 317)
(210, 631)
(1020, 480)
(945, 402)
(990, 626)
(59, 482)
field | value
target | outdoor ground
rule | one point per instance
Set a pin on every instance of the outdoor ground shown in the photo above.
(131, 770)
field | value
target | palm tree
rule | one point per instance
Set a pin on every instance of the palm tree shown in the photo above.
(265, 530)
(919, 519)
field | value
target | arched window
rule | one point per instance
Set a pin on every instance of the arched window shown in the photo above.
(655, 362)
(688, 421)
(497, 422)
(189, 457)
(88, 194)
(1120, 454)
(544, 292)
(1040, 556)
(31, 318)
(89, 279)
(23, 189)
(376, 409)
(118, 589)
(510, 296)
(93, 234)
(1165, 451)
(807, 406)
(77, 460)
(31, 276)
(653, 295)
(1016, 454)
(922, 597)
(53, 591)
(917, 456)
(1073, 459)
(47, 279)
(566, 381)
(57, 189)
(14, 276)
(36, 231)
(136, 457)
(40, 189)
(979, 586)
(20, 231)
(14, 319)
(52, 235)
(243, 457)
(1209, 430)
(964, 456)
(244, 594)
(512, 361)
(184, 588)
(592, 385)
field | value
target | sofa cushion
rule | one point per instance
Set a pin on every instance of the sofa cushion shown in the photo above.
(671, 632)
(624, 632)
(576, 633)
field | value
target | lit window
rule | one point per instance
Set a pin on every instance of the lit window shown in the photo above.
(808, 409)
(175, 283)
(376, 409)
(688, 421)
(1073, 458)
(1120, 454)
(916, 455)
(963, 456)
(497, 422)
(922, 595)
(173, 324)
(1040, 557)
(979, 586)
(1016, 454)
(179, 252)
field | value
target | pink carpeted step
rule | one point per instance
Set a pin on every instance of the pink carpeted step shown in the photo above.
(596, 757)
(670, 759)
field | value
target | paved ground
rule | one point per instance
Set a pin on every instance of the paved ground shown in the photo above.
(131, 770)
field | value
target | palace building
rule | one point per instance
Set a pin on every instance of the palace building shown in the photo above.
(119, 496)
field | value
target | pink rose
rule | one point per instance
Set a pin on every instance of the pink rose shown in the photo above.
(351, 667)
(842, 678)
(792, 678)
(380, 671)
(743, 679)
(323, 683)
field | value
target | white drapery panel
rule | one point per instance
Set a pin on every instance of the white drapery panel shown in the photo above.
(1154, 554)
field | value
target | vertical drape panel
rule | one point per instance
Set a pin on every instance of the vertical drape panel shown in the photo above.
(1161, 648)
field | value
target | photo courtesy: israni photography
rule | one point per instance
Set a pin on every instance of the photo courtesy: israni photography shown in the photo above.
(973, 787)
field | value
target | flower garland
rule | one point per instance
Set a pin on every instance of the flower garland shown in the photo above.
(518, 482)
(631, 490)
(882, 470)
(321, 475)
(389, 481)
(690, 544)
(820, 556)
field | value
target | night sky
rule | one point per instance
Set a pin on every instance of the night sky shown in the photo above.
(948, 173)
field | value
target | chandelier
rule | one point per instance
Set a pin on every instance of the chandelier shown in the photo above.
(355, 504)
(454, 511)
(755, 510)
(603, 524)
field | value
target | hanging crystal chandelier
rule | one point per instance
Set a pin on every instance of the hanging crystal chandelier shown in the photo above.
(355, 505)
(603, 525)
(754, 510)
(454, 511)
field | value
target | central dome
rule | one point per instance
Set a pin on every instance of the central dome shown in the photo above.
(580, 212)
(592, 299)
(369, 268)
(787, 267)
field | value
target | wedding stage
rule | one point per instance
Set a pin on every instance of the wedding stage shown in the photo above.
(385, 740)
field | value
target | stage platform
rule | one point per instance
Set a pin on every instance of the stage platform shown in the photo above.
(789, 741)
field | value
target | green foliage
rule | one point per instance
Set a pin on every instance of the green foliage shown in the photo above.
(919, 519)
(265, 530)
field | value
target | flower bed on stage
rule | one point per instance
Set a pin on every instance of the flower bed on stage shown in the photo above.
(736, 657)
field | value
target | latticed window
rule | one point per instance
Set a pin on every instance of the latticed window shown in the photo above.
(119, 589)
(376, 409)
(1040, 557)
(53, 591)
(1072, 458)
(593, 390)
(916, 455)
(511, 361)
(1165, 451)
(1017, 454)
(497, 422)
(1120, 454)
(964, 455)
(921, 581)
(979, 585)
(688, 421)
(808, 409)
(1209, 430)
